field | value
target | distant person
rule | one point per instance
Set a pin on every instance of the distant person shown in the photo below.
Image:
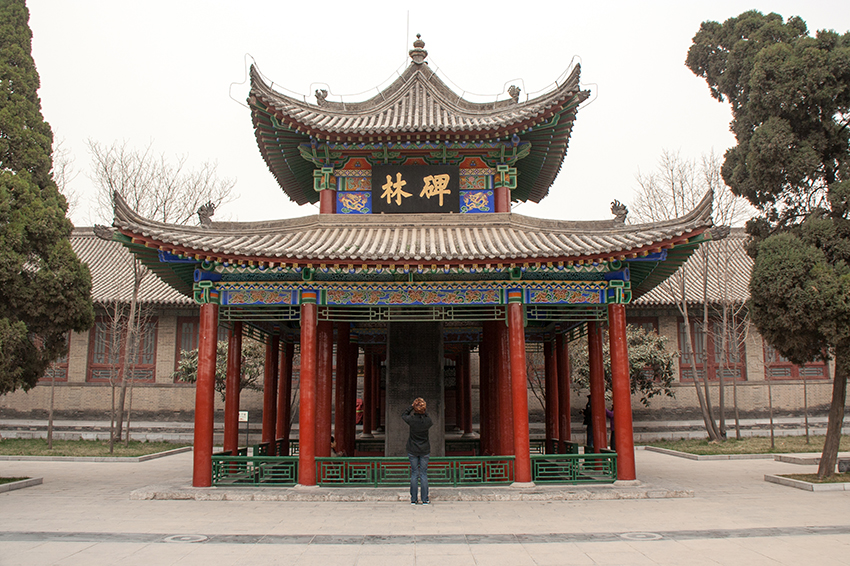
(418, 449)
(609, 414)
(588, 424)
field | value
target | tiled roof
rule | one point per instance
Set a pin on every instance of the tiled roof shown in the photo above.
(112, 273)
(420, 238)
(729, 269)
(417, 102)
(417, 107)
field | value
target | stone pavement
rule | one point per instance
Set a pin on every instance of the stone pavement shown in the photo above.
(83, 514)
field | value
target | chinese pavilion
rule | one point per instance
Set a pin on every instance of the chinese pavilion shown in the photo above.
(414, 257)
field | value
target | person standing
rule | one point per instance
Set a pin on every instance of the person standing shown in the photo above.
(418, 448)
(588, 424)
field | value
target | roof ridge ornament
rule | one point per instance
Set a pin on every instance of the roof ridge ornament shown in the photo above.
(418, 54)
(620, 211)
(514, 91)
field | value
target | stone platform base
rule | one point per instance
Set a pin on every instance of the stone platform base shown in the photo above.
(437, 494)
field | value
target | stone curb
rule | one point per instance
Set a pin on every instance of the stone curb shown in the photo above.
(21, 484)
(438, 495)
(702, 457)
(125, 459)
(805, 485)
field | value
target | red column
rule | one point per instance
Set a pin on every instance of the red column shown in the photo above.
(505, 422)
(562, 349)
(343, 337)
(324, 387)
(466, 410)
(327, 201)
(284, 396)
(368, 381)
(307, 407)
(351, 398)
(270, 393)
(486, 388)
(550, 363)
(597, 385)
(205, 396)
(519, 394)
(458, 391)
(621, 393)
(231, 389)
(376, 391)
(502, 199)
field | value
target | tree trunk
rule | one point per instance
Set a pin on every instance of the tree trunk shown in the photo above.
(683, 308)
(806, 405)
(770, 405)
(829, 456)
(112, 419)
(132, 330)
(737, 415)
(50, 411)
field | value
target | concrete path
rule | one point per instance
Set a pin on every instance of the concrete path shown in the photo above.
(83, 514)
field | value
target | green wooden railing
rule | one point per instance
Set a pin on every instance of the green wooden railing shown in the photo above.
(387, 472)
(393, 472)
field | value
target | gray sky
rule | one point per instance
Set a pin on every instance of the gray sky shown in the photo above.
(174, 73)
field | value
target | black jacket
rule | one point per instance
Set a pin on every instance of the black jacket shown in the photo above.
(417, 443)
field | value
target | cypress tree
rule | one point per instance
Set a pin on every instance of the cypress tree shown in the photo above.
(44, 289)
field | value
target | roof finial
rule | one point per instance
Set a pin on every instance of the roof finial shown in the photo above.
(418, 54)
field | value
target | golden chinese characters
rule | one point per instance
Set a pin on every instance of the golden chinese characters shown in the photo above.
(436, 185)
(394, 190)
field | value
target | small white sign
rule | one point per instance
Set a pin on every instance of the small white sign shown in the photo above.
(243, 416)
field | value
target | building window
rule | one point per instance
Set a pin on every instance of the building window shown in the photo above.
(776, 366)
(107, 351)
(58, 370)
(188, 328)
(647, 323)
(709, 355)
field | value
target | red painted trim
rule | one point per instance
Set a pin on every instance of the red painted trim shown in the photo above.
(562, 351)
(485, 395)
(231, 388)
(466, 410)
(550, 362)
(621, 393)
(270, 395)
(205, 397)
(284, 390)
(597, 386)
(519, 390)
(239, 259)
(343, 337)
(368, 401)
(327, 201)
(505, 415)
(502, 199)
(307, 409)
(324, 388)
(351, 396)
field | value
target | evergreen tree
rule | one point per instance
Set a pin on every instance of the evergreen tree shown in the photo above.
(790, 98)
(44, 289)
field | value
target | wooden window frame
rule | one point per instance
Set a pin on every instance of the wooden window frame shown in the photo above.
(60, 366)
(93, 367)
(712, 368)
(779, 368)
(181, 338)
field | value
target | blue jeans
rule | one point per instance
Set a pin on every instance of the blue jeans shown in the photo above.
(418, 471)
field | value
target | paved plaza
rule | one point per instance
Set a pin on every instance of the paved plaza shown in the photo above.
(84, 514)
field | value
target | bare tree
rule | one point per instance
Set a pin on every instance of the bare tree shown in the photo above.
(153, 185)
(160, 189)
(63, 174)
(673, 189)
